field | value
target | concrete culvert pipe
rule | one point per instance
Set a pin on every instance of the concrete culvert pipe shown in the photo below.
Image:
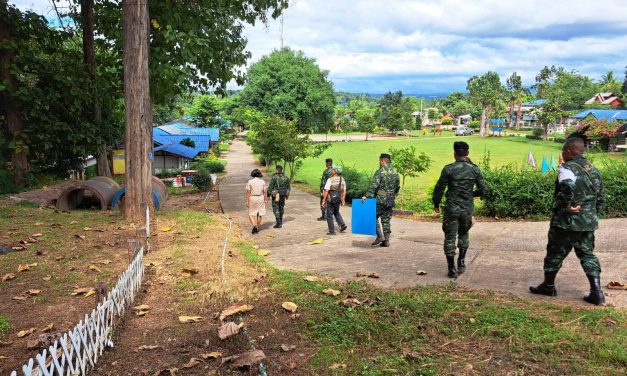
(159, 195)
(93, 193)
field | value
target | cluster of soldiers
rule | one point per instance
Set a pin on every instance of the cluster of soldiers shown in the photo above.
(578, 200)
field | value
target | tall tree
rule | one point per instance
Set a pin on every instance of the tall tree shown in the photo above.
(137, 112)
(514, 86)
(288, 84)
(205, 112)
(485, 91)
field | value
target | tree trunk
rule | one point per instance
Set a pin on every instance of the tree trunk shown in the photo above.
(482, 125)
(19, 158)
(89, 58)
(545, 134)
(403, 193)
(519, 114)
(137, 111)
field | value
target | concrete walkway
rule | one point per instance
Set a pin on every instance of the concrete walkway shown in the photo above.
(505, 256)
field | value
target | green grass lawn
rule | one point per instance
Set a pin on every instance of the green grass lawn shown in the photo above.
(364, 155)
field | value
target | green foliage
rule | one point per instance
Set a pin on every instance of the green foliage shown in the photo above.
(408, 164)
(358, 181)
(4, 325)
(537, 132)
(202, 180)
(289, 85)
(394, 112)
(474, 124)
(211, 165)
(447, 121)
(366, 121)
(613, 174)
(188, 142)
(485, 91)
(204, 111)
(168, 173)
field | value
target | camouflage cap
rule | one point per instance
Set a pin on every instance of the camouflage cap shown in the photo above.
(337, 169)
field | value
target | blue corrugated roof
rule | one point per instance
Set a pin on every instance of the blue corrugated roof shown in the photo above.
(536, 102)
(169, 137)
(609, 115)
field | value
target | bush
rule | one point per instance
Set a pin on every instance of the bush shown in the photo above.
(90, 172)
(202, 180)
(474, 124)
(212, 165)
(447, 121)
(533, 137)
(6, 183)
(538, 132)
(357, 182)
(613, 174)
(168, 173)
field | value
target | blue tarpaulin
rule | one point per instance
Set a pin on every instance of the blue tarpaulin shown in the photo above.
(364, 217)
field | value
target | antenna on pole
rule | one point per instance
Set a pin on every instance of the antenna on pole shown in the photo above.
(282, 30)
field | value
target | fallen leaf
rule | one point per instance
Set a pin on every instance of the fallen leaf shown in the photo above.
(37, 235)
(32, 292)
(38, 224)
(89, 293)
(338, 365)
(47, 328)
(33, 265)
(143, 307)
(32, 344)
(289, 306)
(24, 333)
(82, 237)
(373, 275)
(616, 286)
(193, 362)
(246, 359)
(468, 367)
(47, 278)
(22, 268)
(166, 229)
(316, 241)
(234, 309)
(421, 272)
(87, 228)
(358, 274)
(229, 329)
(18, 248)
(331, 292)
(94, 268)
(20, 297)
(8, 277)
(212, 355)
(105, 262)
(73, 222)
(188, 272)
(148, 347)
(349, 301)
(189, 319)
(287, 348)
(82, 290)
(311, 278)
(263, 252)
(472, 320)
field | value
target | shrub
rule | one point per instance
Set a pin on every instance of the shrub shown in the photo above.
(212, 165)
(533, 137)
(6, 182)
(202, 180)
(447, 121)
(168, 173)
(613, 174)
(538, 132)
(357, 182)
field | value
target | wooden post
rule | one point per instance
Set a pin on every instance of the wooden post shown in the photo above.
(137, 111)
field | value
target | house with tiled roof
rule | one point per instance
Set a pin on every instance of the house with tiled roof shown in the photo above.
(609, 99)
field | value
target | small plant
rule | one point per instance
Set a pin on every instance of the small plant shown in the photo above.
(212, 165)
(474, 124)
(447, 121)
(202, 180)
(4, 326)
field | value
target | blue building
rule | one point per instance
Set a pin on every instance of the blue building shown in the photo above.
(177, 142)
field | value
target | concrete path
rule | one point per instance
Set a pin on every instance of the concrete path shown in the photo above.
(505, 256)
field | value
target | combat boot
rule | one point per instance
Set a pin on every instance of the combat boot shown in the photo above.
(547, 287)
(386, 240)
(379, 238)
(452, 272)
(461, 264)
(278, 224)
(596, 294)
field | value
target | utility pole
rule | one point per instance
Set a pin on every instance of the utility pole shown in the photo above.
(281, 30)
(137, 113)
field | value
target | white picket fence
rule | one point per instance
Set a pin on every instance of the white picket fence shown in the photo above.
(78, 350)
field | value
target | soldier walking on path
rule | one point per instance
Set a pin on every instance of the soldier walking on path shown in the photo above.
(461, 178)
(578, 200)
(333, 197)
(326, 174)
(279, 191)
(384, 186)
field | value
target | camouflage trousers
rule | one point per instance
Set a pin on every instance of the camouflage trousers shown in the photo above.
(278, 208)
(385, 214)
(456, 227)
(323, 208)
(561, 242)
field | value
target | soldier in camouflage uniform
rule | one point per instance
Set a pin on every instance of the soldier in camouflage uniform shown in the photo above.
(279, 191)
(461, 178)
(384, 186)
(326, 174)
(578, 200)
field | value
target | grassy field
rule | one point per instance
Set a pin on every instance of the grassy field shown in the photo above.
(364, 155)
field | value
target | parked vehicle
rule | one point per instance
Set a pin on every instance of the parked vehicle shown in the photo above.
(464, 131)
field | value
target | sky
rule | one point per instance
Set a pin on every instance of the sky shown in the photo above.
(434, 46)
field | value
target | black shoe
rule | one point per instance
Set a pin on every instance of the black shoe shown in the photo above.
(277, 225)
(596, 294)
(452, 272)
(461, 260)
(377, 241)
(386, 240)
(331, 233)
(343, 228)
(322, 218)
(255, 230)
(547, 287)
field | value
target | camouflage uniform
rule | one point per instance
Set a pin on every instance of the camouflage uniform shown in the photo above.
(279, 182)
(578, 183)
(385, 181)
(461, 178)
(326, 174)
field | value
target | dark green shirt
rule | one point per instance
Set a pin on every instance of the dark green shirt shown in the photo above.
(384, 181)
(461, 178)
(326, 174)
(279, 182)
(578, 184)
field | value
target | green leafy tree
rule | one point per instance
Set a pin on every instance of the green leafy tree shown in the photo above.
(516, 93)
(188, 142)
(389, 112)
(609, 83)
(204, 111)
(366, 121)
(288, 84)
(485, 91)
(409, 164)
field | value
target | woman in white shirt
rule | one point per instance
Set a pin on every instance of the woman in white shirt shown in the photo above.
(256, 198)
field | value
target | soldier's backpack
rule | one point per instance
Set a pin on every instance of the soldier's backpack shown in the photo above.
(335, 196)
